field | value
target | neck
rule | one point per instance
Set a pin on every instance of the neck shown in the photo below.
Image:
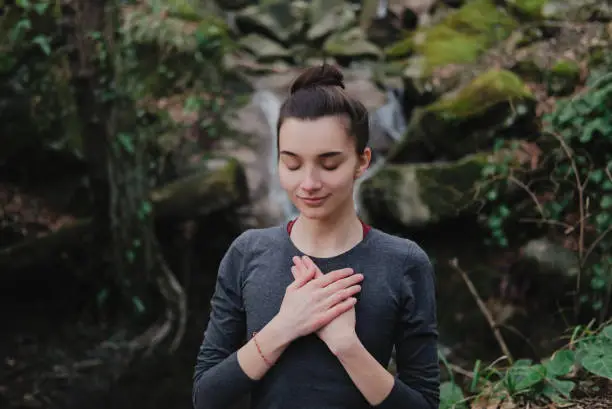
(330, 236)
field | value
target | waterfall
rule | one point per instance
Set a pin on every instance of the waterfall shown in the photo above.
(388, 118)
(270, 104)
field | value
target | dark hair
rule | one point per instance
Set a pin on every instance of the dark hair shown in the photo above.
(318, 92)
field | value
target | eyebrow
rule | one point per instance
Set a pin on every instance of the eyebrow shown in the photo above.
(321, 155)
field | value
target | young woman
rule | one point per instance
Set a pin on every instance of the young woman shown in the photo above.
(306, 314)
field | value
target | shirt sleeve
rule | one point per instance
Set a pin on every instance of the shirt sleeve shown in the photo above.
(219, 381)
(417, 385)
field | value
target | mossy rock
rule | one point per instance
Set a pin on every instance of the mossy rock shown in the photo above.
(415, 195)
(563, 78)
(351, 44)
(328, 16)
(280, 20)
(578, 10)
(460, 37)
(264, 49)
(528, 71)
(484, 92)
(529, 8)
(496, 104)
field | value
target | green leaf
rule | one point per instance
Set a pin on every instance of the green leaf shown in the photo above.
(560, 364)
(451, 396)
(607, 332)
(43, 43)
(126, 142)
(40, 8)
(523, 377)
(606, 202)
(597, 175)
(596, 357)
(558, 390)
(138, 304)
(597, 283)
(602, 219)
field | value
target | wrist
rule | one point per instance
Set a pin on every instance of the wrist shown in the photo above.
(281, 331)
(346, 345)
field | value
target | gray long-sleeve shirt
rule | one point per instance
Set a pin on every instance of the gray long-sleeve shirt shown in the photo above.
(396, 307)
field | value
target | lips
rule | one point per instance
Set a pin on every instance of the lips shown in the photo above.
(313, 201)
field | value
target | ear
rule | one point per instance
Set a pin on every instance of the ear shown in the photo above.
(363, 162)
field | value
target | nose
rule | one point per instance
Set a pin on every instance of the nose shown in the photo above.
(311, 181)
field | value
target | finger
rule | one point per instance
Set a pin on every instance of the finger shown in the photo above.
(300, 280)
(299, 263)
(343, 283)
(332, 277)
(342, 295)
(308, 262)
(338, 310)
(295, 272)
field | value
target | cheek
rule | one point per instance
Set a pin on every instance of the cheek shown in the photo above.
(341, 180)
(288, 180)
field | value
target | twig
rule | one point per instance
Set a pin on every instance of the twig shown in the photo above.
(546, 221)
(461, 371)
(594, 244)
(579, 187)
(483, 308)
(581, 203)
(530, 193)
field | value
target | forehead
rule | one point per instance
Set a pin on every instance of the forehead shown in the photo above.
(306, 136)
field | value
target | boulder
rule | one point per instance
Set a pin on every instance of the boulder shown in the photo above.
(351, 44)
(551, 257)
(496, 104)
(329, 16)
(234, 4)
(577, 10)
(279, 20)
(415, 195)
(264, 49)
(563, 78)
(461, 36)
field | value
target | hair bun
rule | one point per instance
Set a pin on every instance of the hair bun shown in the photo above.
(323, 75)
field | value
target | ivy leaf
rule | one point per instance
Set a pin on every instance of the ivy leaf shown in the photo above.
(43, 43)
(596, 357)
(560, 364)
(451, 396)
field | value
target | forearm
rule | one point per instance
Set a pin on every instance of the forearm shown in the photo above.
(369, 376)
(262, 351)
(219, 385)
(379, 387)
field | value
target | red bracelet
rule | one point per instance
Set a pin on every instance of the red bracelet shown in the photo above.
(259, 350)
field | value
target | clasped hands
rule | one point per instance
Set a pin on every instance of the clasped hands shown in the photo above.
(321, 303)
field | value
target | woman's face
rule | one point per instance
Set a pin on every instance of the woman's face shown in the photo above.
(318, 165)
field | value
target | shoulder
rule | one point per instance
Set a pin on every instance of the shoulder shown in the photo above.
(404, 252)
(253, 241)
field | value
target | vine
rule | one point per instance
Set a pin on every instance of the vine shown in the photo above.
(569, 193)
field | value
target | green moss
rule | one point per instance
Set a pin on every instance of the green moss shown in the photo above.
(566, 68)
(461, 37)
(485, 91)
(399, 49)
(531, 8)
(450, 188)
(563, 77)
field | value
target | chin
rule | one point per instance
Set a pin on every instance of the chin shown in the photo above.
(314, 214)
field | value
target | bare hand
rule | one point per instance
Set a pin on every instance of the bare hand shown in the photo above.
(339, 331)
(311, 302)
